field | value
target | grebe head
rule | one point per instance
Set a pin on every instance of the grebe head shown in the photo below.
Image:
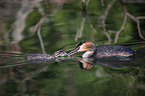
(88, 46)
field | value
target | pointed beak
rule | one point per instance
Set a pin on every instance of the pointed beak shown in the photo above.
(73, 52)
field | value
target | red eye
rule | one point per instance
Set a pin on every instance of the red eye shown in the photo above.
(78, 48)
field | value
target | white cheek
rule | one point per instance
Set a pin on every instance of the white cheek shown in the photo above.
(88, 54)
(81, 49)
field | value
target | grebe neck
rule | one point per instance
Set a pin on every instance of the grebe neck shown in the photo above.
(88, 54)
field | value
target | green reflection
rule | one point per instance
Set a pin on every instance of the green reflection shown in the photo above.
(58, 31)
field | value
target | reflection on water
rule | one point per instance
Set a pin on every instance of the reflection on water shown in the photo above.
(39, 26)
(63, 76)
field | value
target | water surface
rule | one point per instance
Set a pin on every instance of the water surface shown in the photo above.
(39, 26)
(73, 76)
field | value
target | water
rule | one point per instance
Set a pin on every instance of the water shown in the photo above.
(72, 76)
(62, 25)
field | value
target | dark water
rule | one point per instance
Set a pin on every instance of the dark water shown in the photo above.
(63, 24)
(72, 76)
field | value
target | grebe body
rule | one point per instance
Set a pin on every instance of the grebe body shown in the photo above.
(113, 50)
(103, 51)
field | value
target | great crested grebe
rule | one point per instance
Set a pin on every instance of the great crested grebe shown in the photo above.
(103, 51)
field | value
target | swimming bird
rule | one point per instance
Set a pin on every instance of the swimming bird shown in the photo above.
(103, 51)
